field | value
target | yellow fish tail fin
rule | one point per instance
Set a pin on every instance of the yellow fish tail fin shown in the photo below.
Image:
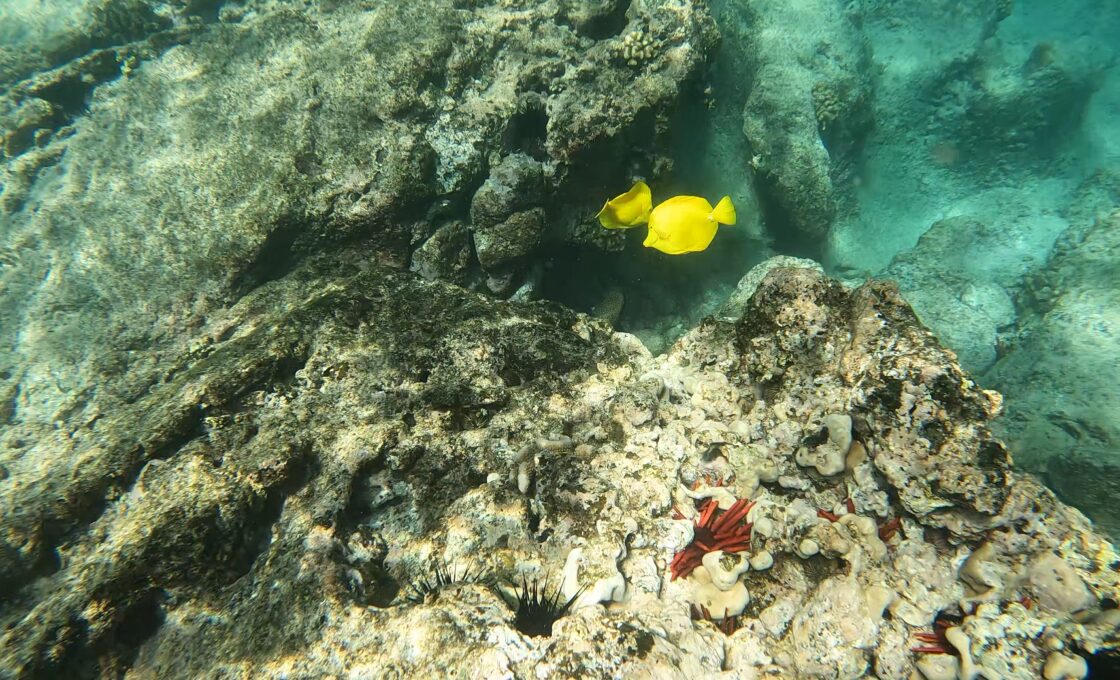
(629, 209)
(645, 199)
(724, 212)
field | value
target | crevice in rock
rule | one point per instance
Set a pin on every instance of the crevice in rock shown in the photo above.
(362, 503)
(64, 96)
(527, 131)
(301, 469)
(276, 258)
(608, 22)
(138, 622)
(779, 220)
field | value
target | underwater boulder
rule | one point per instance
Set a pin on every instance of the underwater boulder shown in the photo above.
(807, 112)
(1060, 367)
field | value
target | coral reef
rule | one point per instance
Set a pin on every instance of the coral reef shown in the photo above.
(36, 37)
(347, 424)
(272, 373)
(1020, 112)
(636, 49)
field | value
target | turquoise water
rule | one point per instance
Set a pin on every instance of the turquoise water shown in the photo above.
(980, 173)
(160, 160)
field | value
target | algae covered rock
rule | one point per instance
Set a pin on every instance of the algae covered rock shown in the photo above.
(279, 132)
(195, 500)
(962, 276)
(1060, 364)
(506, 218)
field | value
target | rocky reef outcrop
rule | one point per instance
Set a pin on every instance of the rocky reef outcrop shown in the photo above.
(277, 503)
(807, 113)
(962, 276)
(180, 176)
(1065, 347)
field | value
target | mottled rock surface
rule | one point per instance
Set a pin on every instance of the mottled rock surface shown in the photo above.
(37, 36)
(808, 111)
(1062, 367)
(180, 180)
(962, 277)
(263, 508)
(181, 485)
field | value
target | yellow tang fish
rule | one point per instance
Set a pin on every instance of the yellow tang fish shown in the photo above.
(687, 224)
(627, 210)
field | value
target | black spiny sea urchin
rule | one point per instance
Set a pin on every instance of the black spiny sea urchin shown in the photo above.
(425, 588)
(535, 611)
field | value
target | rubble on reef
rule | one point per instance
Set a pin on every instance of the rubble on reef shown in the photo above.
(356, 472)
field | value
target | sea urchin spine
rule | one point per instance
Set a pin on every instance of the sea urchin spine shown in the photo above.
(714, 530)
(535, 611)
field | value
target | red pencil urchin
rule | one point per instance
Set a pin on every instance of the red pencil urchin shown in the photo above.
(727, 625)
(936, 642)
(714, 530)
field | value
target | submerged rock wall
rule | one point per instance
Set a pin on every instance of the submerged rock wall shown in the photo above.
(194, 173)
(1061, 361)
(807, 113)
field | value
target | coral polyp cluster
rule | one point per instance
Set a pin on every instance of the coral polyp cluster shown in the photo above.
(714, 530)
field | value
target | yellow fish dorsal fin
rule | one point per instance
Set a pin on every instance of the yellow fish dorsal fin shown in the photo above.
(630, 209)
(724, 212)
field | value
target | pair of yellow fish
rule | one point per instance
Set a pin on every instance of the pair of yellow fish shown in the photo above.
(682, 224)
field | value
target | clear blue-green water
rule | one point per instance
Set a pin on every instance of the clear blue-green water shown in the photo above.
(159, 159)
